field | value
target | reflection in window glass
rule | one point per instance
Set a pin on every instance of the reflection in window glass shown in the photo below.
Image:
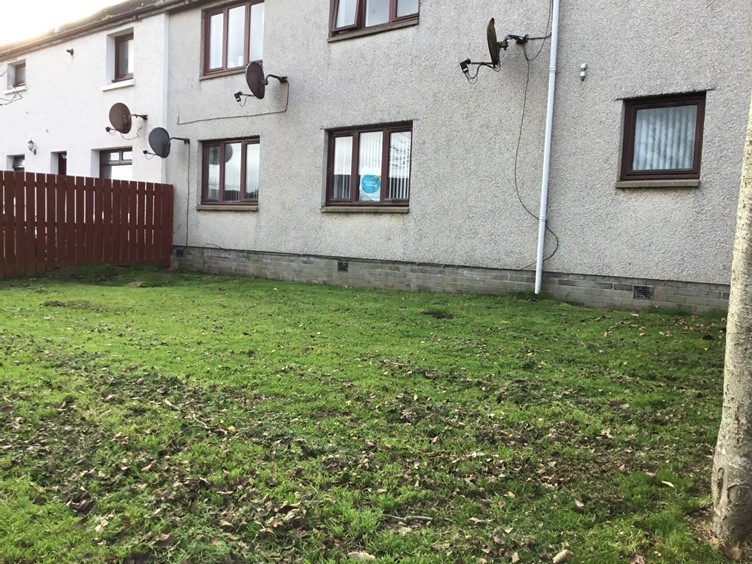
(257, 32)
(399, 165)
(346, 13)
(233, 162)
(342, 167)
(369, 171)
(252, 160)
(406, 8)
(377, 12)
(216, 24)
(235, 37)
(213, 174)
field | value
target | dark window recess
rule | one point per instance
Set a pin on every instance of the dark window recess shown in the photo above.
(342, 266)
(642, 292)
(233, 36)
(19, 75)
(123, 57)
(354, 15)
(663, 137)
(19, 163)
(369, 166)
(231, 172)
(116, 164)
(62, 163)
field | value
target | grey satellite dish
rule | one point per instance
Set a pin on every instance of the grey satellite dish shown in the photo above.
(257, 81)
(161, 142)
(120, 118)
(493, 43)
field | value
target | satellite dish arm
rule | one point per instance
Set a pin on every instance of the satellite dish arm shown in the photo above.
(280, 78)
(183, 139)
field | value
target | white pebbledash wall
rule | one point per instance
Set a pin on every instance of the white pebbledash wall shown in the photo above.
(464, 208)
(65, 104)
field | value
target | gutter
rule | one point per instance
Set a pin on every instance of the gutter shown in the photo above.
(547, 149)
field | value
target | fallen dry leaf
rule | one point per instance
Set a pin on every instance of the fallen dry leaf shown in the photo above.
(638, 559)
(515, 558)
(563, 556)
(360, 556)
(665, 483)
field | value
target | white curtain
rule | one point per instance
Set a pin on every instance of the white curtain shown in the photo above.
(665, 138)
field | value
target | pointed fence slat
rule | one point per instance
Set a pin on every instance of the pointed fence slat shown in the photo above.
(49, 221)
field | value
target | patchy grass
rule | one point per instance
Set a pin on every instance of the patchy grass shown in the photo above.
(183, 417)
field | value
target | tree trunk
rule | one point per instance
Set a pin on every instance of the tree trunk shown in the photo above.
(732, 466)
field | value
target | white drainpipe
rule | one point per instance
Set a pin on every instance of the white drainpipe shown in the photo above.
(547, 149)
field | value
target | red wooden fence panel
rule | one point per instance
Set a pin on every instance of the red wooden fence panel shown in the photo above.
(49, 221)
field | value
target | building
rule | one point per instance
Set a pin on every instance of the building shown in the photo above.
(377, 162)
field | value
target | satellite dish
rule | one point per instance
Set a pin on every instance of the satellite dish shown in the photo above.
(120, 118)
(159, 141)
(257, 81)
(254, 76)
(493, 43)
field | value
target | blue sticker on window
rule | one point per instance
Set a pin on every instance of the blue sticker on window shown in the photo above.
(370, 183)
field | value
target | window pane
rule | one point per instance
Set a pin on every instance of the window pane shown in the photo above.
(342, 167)
(346, 13)
(124, 58)
(236, 37)
(399, 165)
(212, 188)
(257, 32)
(369, 170)
(19, 163)
(232, 171)
(128, 155)
(252, 171)
(377, 12)
(216, 24)
(665, 138)
(406, 7)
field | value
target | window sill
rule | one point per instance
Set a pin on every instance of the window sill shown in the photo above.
(675, 183)
(119, 84)
(365, 209)
(218, 74)
(228, 207)
(342, 36)
(15, 90)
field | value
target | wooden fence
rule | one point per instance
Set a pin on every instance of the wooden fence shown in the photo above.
(49, 221)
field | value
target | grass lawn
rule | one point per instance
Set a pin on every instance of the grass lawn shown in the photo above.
(185, 417)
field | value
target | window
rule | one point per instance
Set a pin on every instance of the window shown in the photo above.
(353, 15)
(233, 36)
(663, 137)
(18, 163)
(123, 57)
(369, 166)
(60, 163)
(17, 75)
(229, 166)
(116, 164)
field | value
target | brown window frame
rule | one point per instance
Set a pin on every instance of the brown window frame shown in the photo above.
(18, 83)
(631, 107)
(355, 133)
(121, 161)
(360, 19)
(120, 42)
(221, 143)
(206, 36)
